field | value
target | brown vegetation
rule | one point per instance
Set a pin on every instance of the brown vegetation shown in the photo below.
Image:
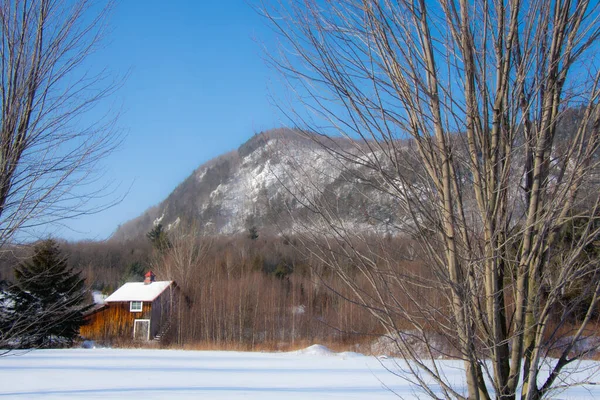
(236, 292)
(244, 292)
(267, 294)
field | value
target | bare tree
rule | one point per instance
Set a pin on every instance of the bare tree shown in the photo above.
(461, 112)
(182, 261)
(48, 147)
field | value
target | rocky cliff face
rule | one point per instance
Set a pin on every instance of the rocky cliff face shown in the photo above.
(270, 182)
(278, 179)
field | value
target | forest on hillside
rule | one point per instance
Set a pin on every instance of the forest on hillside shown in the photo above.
(255, 291)
(246, 291)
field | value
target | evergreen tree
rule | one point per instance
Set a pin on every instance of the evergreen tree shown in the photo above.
(134, 272)
(252, 233)
(48, 299)
(159, 238)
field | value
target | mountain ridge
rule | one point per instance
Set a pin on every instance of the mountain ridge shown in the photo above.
(253, 186)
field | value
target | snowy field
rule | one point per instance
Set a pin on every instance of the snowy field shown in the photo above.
(313, 373)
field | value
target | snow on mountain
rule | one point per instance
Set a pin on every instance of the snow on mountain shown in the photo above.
(265, 184)
(272, 181)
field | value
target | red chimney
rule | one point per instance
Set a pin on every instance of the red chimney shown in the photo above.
(149, 277)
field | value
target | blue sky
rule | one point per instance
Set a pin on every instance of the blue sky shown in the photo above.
(197, 87)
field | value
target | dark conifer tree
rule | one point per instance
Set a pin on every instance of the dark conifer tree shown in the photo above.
(159, 239)
(48, 298)
(253, 233)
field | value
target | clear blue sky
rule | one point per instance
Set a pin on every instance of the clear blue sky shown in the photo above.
(197, 87)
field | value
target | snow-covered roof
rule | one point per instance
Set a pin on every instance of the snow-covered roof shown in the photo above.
(138, 291)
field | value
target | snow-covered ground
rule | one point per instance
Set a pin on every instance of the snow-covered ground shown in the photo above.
(313, 373)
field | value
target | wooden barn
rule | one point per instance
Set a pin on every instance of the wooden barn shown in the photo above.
(137, 310)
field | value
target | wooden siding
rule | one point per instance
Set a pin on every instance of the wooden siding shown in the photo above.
(114, 321)
(155, 320)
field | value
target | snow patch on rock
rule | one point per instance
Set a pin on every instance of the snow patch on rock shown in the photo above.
(174, 224)
(158, 220)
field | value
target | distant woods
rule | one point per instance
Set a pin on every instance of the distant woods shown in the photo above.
(249, 291)
(253, 290)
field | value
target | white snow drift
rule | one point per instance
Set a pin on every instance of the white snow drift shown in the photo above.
(314, 373)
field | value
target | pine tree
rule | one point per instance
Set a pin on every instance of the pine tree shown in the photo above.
(252, 233)
(159, 238)
(48, 298)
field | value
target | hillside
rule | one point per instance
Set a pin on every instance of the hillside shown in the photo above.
(255, 185)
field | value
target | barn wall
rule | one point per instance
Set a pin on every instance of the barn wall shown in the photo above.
(114, 321)
(155, 323)
(162, 309)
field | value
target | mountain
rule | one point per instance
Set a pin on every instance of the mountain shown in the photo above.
(275, 181)
(265, 184)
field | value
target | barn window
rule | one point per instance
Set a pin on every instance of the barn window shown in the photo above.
(135, 306)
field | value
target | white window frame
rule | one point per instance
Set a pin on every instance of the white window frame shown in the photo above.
(132, 309)
(141, 320)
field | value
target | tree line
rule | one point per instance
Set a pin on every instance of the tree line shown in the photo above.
(245, 291)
